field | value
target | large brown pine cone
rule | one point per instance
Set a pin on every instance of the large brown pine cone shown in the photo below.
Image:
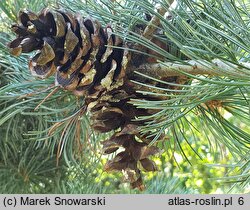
(89, 61)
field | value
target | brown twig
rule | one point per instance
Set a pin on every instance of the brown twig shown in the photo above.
(36, 92)
(148, 34)
(50, 94)
(149, 31)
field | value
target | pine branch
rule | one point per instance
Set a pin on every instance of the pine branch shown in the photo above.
(216, 67)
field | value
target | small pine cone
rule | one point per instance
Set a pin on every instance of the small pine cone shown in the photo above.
(78, 51)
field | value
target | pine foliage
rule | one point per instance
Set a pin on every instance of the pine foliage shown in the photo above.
(46, 146)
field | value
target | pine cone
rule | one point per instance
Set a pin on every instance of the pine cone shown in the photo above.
(84, 59)
(72, 48)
